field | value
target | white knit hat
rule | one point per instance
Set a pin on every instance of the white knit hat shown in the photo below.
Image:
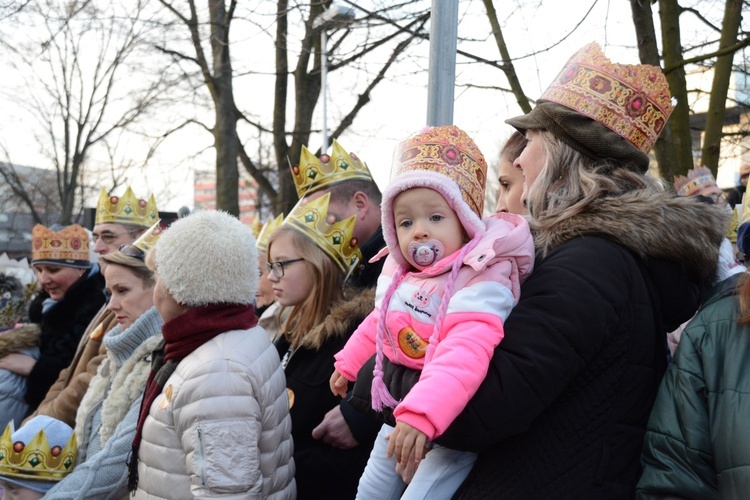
(208, 257)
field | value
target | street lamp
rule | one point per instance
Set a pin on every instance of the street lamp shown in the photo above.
(336, 16)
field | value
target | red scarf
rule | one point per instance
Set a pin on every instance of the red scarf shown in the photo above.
(183, 335)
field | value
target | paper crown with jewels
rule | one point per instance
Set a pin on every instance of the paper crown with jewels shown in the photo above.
(313, 173)
(256, 226)
(449, 151)
(148, 239)
(335, 238)
(67, 246)
(261, 243)
(44, 449)
(126, 209)
(631, 100)
(696, 180)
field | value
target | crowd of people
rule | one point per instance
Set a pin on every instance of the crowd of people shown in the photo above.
(403, 344)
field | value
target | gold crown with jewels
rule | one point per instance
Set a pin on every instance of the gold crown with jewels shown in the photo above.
(315, 173)
(265, 233)
(126, 209)
(148, 239)
(335, 238)
(35, 459)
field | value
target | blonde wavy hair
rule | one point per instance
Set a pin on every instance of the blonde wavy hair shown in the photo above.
(328, 281)
(570, 182)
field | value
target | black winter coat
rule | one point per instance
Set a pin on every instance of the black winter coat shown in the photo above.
(322, 471)
(61, 329)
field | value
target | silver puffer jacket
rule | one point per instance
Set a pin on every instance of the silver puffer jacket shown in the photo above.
(221, 426)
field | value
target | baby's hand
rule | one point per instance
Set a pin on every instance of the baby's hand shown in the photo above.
(409, 444)
(339, 384)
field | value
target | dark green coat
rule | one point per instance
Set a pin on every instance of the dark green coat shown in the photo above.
(698, 439)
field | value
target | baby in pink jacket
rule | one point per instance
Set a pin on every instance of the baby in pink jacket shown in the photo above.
(446, 288)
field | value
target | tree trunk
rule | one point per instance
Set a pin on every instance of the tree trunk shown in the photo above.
(286, 189)
(679, 123)
(225, 128)
(307, 87)
(722, 73)
(648, 52)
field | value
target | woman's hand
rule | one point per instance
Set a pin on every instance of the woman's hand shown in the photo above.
(408, 443)
(20, 364)
(339, 384)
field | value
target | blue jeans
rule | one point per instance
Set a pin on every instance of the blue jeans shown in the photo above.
(439, 474)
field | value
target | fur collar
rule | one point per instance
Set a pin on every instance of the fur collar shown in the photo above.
(115, 392)
(345, 316)
(18, 339)
(649, 224)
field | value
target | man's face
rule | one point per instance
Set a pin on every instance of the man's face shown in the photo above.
(110, 237)
(343, 211)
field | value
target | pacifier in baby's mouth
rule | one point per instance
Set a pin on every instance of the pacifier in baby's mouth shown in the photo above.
(426, 253)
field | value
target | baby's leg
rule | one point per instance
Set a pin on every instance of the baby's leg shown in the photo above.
(380, 481)
(440, 474)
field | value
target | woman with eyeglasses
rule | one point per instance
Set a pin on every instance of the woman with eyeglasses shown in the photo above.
(107, 416)
(214, 420)
(309, 257)
(71, 295)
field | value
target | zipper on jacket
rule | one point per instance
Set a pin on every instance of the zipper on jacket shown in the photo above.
(203, 455)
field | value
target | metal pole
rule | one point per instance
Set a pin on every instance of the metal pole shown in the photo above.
(324, 83)
(442, 72)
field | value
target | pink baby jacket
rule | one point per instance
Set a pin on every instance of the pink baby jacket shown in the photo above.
(485, 290)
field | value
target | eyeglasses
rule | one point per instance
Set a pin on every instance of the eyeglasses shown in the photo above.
(132, 251)
(278, 267)
(107, 238)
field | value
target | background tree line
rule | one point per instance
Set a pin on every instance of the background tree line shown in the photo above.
(114, 81)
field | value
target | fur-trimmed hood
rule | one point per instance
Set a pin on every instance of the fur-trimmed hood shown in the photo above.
(345, 316)
(18, 339)
(649, 224)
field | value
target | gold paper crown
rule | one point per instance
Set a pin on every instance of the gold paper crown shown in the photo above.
(126, 209)
(35, 460)
(315, 173)
(256, 226)
(261, 243)
(696, 180)
(311, 218)
(450, 151)
(148, 239)
(631, 100)
(69, 245)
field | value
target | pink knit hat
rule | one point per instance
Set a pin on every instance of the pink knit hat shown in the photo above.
(446, 160)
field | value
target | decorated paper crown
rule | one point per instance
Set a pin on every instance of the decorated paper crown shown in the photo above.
(256, 226)
(449, 151)
(148, 239)
(261, 243)
(68, 246)
(126, 209)
(631, 100)
(315, 173)
(35, 459)
(696, 180)
(310, 217)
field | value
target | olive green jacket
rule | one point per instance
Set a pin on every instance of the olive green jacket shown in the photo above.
(698, 439)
